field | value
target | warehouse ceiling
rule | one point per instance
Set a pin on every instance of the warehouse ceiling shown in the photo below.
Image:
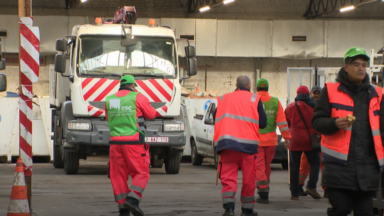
(239, 9)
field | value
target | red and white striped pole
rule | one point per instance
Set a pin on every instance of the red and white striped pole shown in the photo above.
(29, 73)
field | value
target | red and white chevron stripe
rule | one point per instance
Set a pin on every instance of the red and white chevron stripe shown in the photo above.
(29, 72)
(156, 90)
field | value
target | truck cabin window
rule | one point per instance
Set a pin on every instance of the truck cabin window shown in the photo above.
(103, 55)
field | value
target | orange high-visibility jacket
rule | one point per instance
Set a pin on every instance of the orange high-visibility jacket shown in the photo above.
(335, 147)
(237, 122)
(271, 139)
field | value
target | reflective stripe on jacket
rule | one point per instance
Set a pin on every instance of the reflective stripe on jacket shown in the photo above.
(335, 147)
(237, 122)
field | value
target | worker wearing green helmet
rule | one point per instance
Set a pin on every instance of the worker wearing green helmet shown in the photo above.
(128, 152)
(350, 116)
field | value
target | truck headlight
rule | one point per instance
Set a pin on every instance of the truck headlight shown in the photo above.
(79, 126)
(174, 127)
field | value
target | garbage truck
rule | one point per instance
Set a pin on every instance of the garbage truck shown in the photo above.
(87, 69)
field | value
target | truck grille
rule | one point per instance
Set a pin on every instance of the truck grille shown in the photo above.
(101, 104)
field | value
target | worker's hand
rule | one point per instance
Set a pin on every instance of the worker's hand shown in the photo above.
(287, 143)
(342, 123)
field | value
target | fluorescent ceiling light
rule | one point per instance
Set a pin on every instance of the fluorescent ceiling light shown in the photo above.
(347, 8)
(229, 1)
(83, 1)
(206, 8)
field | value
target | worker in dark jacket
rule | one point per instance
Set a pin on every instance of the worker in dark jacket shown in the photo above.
(301, 142)
(352, 151)
(239, 116)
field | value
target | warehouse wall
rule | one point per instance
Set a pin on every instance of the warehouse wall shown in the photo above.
(214, 74)
(222, 72)
(40, 88)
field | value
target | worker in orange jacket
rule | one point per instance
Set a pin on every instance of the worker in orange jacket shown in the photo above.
(304, 166)
(268, 139)
(238, 118)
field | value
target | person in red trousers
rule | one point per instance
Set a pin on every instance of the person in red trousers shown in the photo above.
(238, 117)
(268, 139)
(128, 152)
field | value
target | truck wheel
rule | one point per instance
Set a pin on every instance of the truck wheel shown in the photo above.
(284, 164)
(58, 162)
(172, 164)
(196, 159)
(216, 158)
(57, 157)
(71, 162)
(156, 163)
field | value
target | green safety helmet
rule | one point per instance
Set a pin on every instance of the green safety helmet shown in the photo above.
(262, 83)
(354, 52)
(127, 79)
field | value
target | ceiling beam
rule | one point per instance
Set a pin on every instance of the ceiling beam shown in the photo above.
(317, 8)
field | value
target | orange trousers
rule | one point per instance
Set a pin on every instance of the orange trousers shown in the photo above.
(304, 169)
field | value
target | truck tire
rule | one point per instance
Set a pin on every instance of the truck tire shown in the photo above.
(71, 162)
(156, 163)
(172, 164)
(58, 162)
(196, 159)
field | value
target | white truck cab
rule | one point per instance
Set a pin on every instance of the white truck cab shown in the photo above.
(91, 62)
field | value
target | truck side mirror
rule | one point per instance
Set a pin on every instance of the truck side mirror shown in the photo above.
(190, 53)
(192, 67)
(208, 121)
(60, 63)
(2, 64)
(61, 45)
(3, 82)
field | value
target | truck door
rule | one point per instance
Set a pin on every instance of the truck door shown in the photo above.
(209, 127)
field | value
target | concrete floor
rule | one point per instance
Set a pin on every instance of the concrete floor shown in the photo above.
(190, 193)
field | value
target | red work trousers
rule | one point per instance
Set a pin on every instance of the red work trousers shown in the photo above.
(130, 160)
(304, 169)
(263, 167)
(230, 161)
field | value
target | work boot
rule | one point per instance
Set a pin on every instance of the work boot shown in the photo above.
(248, 212)
(229, 212)
(313, 193)
(294, 197)
(263, 198)
(124, 212)
(132, 204)
(301, 192)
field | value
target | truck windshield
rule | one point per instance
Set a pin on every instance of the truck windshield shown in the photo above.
(116, 55)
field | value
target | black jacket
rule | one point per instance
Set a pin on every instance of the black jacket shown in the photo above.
(306, 99)
(362, 170)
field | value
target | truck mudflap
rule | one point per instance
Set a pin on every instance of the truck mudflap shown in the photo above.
(99, 135)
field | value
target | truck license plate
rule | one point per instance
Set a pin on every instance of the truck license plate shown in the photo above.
(157, 139)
